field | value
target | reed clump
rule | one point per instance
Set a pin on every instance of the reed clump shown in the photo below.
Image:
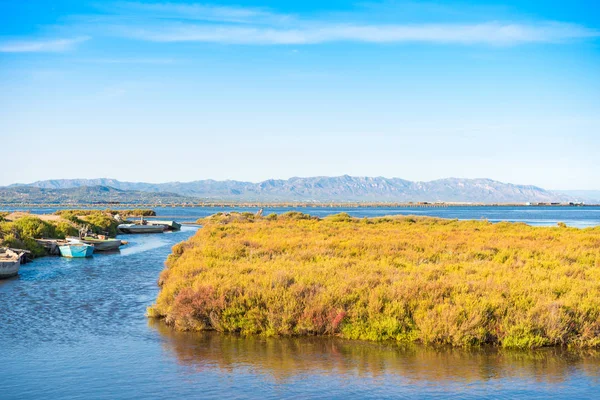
(407, 279)
(97, 221)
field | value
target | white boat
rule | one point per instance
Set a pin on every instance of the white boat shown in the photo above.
(171, 225)
(100, 244)
(10, 262)
(138, 228)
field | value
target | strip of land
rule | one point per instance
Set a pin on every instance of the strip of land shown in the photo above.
(22, 230)
(233, 204)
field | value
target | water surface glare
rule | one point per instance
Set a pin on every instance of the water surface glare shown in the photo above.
(75, 329)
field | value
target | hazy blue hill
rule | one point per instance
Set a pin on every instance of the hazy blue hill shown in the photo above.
(72, 183)
(83, 194)
(321, 188)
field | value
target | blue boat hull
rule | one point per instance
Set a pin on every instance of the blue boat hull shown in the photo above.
(76, 251)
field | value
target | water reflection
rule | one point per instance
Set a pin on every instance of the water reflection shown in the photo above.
(286, 358)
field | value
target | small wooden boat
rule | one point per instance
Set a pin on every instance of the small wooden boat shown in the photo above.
(100, 244)
(138, 228)
(76, 250)
(171, 225)
(10, 261)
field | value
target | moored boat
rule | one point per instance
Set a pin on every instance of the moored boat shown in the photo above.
(171, 225)
(10, 261)
(76, 250)
(99, 244)
(138, 228)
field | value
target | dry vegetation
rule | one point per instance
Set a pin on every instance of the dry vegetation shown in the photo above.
(406, 279)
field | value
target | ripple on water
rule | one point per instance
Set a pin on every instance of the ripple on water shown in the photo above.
(149, 243)
(75, 329)
(59, 299)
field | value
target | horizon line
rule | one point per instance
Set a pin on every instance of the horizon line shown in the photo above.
(287, 179)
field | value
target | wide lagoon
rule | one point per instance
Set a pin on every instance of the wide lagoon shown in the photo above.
(76, 329)
(534, 215)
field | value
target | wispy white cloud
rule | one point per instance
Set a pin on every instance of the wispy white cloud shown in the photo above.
(40, 45)
(204, 23)
(490, 33)
(176, 22)
(203, 12)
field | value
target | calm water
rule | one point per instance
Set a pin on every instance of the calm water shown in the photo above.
(574, 216)
(75, 329)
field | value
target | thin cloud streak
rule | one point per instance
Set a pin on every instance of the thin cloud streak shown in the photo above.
(193, 22)
(41, 45)
(205, 23)
(204, 12)
(492, 33)
(149, 61)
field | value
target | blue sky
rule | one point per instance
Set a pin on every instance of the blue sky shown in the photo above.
(163, 91)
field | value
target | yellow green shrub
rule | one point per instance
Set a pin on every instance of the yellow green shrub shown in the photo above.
(408, 279)
(21, 234)
(98, 221)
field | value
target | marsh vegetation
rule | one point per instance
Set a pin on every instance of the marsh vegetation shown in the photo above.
(405, 279)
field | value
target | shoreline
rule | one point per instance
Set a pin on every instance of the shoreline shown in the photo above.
(555, 350)
(27, 231)
(292, 204)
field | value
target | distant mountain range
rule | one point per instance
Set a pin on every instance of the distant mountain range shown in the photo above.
(83, 195)
(318, 189)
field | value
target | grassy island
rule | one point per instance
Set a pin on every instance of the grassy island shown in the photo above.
(406, 279)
